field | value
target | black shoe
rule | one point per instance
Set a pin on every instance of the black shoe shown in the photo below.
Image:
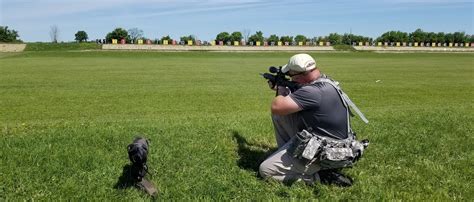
(334, 177)
(313, 181)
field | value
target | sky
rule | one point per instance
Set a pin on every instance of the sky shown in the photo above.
(205, 19)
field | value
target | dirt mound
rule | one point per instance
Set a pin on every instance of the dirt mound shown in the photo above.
(12, 47)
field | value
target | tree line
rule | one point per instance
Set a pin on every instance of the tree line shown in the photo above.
(8, 35)
(134, 34)
(228, 38)
(334, 38)
(425, 37)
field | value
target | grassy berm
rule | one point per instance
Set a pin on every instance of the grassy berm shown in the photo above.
(67, 117)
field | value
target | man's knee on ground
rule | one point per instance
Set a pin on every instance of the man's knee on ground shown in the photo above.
(264, 169)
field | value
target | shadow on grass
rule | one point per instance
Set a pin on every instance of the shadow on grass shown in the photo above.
(125, 181)
(251, 155)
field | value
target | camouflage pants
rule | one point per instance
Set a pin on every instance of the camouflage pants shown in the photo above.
(280, 165)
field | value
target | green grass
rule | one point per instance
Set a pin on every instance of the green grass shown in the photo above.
(67, 117)
(70, 46)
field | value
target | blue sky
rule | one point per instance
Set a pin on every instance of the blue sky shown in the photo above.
(206, 18)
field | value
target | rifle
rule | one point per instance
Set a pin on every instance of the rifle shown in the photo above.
(278, 78)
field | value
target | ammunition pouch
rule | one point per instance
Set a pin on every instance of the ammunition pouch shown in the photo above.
(328, 152)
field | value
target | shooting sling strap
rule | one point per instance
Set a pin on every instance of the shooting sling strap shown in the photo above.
(344, 97)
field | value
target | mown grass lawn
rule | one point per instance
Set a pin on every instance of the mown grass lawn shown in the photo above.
(67, 117)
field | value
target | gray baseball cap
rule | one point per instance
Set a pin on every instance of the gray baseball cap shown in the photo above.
(299, 63)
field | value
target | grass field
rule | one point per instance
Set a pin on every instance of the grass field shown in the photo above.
(67, 117)
(70, 46)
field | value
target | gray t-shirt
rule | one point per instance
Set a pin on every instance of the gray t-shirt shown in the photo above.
(323, 109)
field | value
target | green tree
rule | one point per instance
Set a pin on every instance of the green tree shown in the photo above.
(323, 39)
(460, 37)
(471, 38)
(430, 37)
(335, 39)
(392, 36)
(167, 37)
(440, 37)
(300, 38)
(273, 38)
(449, 38)
(347, 39)
(223, 36)
(417, 36)
(81, 36)
(185, 39)
(285, 39)
(370, 40)
(118, 34)
(236, 36)
(402, 36)
(258, 36)
(7, 35)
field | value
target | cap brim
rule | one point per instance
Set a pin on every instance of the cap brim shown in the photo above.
(285, 68)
